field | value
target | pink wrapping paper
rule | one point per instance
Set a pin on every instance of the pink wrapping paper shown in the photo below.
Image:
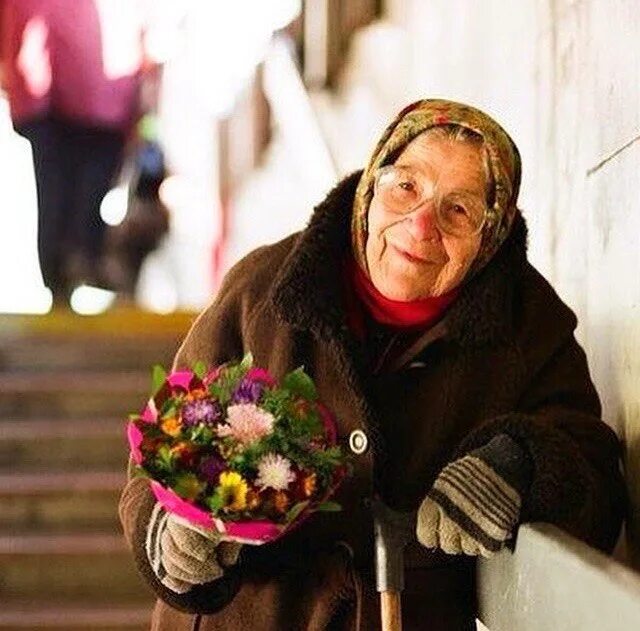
(255, 532)
(251, 532)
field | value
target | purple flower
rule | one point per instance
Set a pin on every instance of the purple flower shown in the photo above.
(201, 411)
(248, 391)
(211, 467)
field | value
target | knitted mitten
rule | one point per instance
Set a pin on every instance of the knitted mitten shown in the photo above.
(183, 555)
(474, 504)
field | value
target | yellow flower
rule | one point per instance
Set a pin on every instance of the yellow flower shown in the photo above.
(233, 490)
(170, 426)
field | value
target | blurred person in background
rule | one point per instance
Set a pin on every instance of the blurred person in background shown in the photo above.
(146, 220)
(72, 72)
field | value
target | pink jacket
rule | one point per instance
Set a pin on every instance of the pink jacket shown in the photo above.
(77, 59)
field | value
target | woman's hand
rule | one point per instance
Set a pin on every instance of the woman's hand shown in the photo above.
(183, 555)
(474, 505)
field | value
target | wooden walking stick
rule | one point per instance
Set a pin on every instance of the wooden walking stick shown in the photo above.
(393, 530)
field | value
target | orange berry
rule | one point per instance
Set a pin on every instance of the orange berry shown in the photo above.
(171, 426)
(281, 502)
(253, 500)
(309, 484)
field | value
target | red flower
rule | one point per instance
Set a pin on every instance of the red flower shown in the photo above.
(186, 453)
(441, 119)
(150, 444)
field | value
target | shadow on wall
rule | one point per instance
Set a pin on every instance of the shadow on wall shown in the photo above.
(626, 551)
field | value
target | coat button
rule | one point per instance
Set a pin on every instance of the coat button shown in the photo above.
(358, 441)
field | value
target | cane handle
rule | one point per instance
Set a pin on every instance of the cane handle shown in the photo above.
(390, 611)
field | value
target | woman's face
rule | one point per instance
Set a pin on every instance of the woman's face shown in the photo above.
(408, 255)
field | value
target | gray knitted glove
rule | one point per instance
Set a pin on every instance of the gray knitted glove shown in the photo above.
(474, 505)
(183, 555)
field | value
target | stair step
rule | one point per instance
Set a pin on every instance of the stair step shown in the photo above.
(72, 395)
(122, 338)
(111, 618)
(66, 324)
(67, 384)
(59, 502)
(34, 445)
(118, 353)
(65, 545)
(70, 568)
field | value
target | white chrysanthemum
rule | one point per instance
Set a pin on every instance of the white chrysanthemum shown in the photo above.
(274, 471)
(246, 423)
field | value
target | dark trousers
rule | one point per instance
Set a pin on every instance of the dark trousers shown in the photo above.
(74, 169)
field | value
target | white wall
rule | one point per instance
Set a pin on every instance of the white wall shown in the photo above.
(563, 77)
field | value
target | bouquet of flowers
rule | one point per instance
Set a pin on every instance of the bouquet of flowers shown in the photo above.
(228, 448)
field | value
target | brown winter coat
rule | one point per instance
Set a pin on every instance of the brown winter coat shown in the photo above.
(504, 359)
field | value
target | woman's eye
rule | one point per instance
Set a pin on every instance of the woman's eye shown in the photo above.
(459, 209)
(407, 186)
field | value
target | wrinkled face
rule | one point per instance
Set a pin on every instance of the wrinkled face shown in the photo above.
(408, 255)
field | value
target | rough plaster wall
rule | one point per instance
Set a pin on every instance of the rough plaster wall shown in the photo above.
(562, 76)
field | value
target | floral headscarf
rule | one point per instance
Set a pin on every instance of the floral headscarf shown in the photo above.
(504, 162)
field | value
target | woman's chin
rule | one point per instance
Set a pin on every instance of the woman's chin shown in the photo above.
(399, 285)
(402, 291)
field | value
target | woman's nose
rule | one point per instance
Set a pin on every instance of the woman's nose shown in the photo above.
(422, 223)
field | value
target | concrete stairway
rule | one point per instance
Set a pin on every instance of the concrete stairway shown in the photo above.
(67, 383)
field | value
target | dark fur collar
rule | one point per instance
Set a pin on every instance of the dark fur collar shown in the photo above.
(307, 292)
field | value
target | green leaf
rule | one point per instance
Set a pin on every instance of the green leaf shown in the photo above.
(247, 362)
(215, 502)
(300, 384)
(306, 427)
(328, 507)
(333, 455)
(158, 377)
(219, 392)
(201, 435)
(165, 458)
(295, 510)
(200, 369)
(168, 409)
(188, 486)
(139, 472)
(276, 402)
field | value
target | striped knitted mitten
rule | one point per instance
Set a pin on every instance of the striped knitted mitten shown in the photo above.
(182, 555)
(474, 504)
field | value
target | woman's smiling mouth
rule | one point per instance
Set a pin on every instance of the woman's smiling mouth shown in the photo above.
(412, 258)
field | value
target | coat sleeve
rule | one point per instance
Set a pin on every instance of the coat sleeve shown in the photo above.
(577, 482)
(214, 338)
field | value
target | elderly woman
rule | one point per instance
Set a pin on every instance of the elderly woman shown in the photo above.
(452, 366)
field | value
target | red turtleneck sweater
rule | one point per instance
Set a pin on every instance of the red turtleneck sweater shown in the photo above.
(413, 315)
